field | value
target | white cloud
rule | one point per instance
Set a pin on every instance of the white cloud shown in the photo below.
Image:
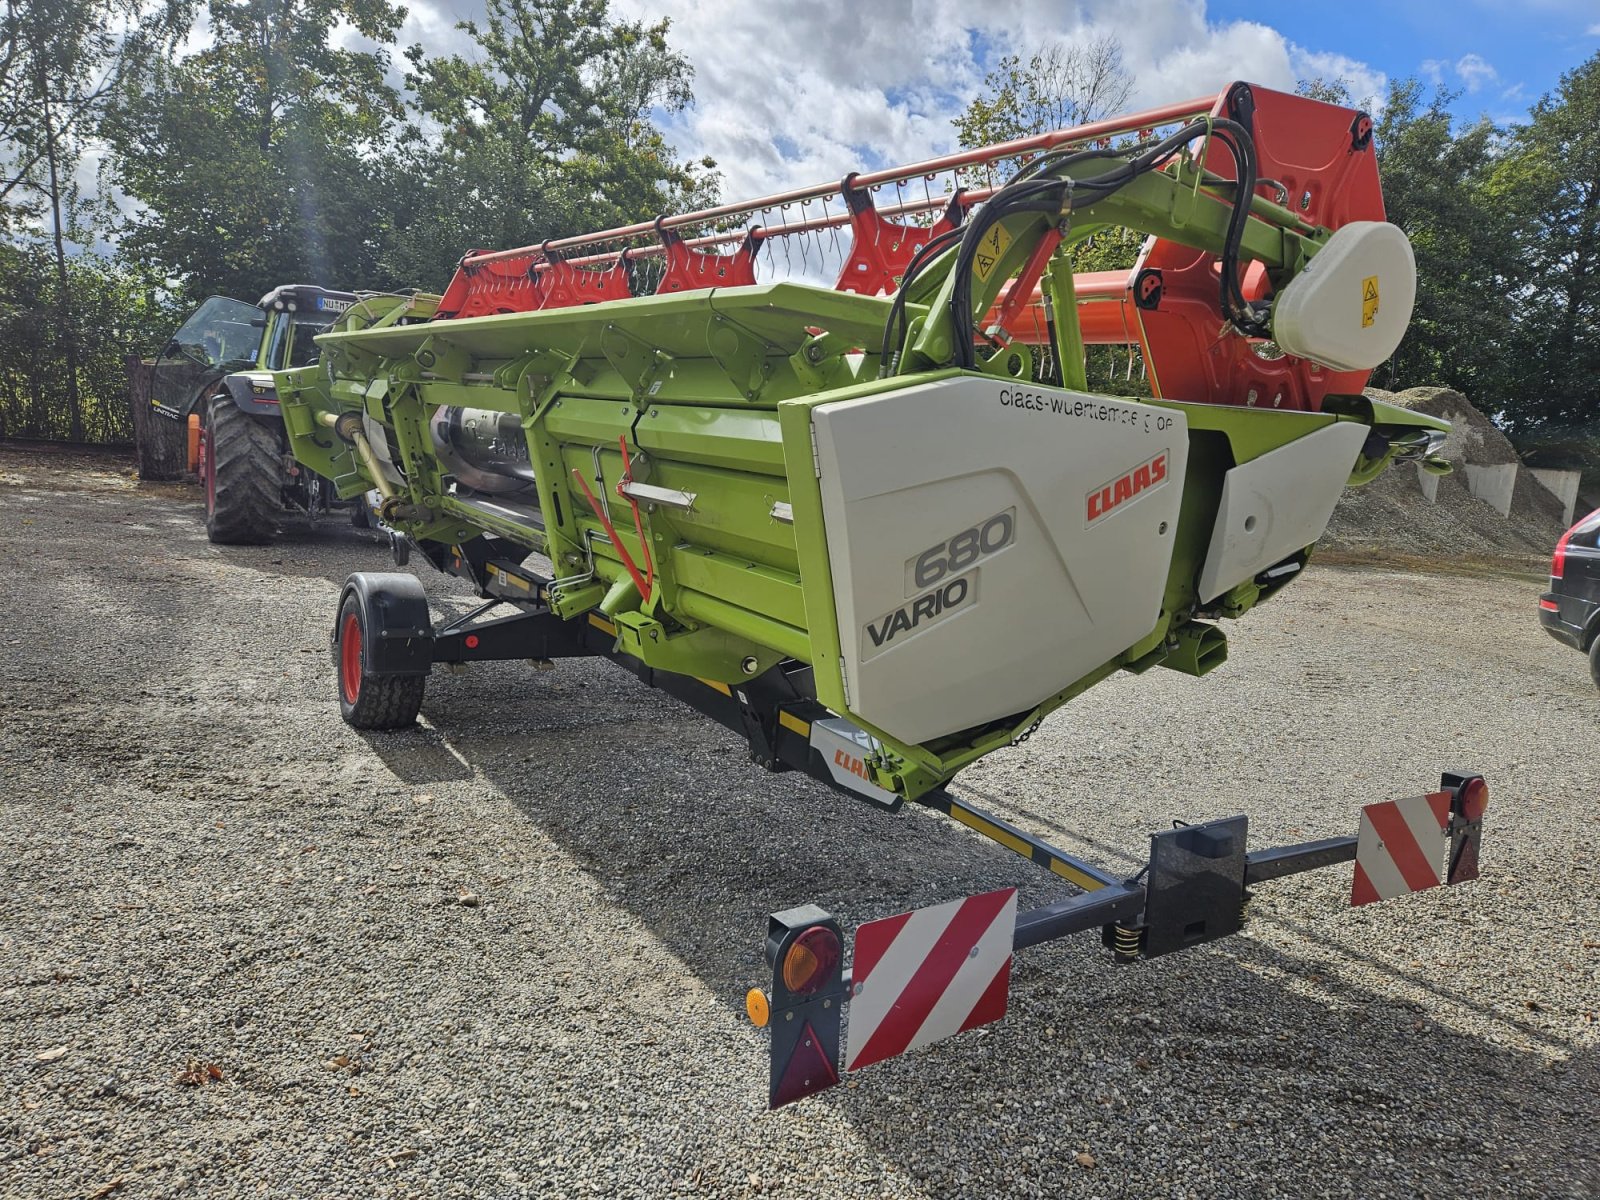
(1594, 30)
(1368, 86)
(783, 102)
(1474, 71)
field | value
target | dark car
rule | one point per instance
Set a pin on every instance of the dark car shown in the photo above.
(1570, 610)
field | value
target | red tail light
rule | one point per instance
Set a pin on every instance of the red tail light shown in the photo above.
(1558, 561)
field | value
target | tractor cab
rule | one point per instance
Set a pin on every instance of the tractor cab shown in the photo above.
(225, 337)
(291, 317)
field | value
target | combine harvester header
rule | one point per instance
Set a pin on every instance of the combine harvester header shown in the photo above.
(883, 528)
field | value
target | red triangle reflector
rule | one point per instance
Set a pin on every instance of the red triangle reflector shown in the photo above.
(809, 1070)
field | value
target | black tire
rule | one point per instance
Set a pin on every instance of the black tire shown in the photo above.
(242, 474)
(359, 516)
(1594, 661)
(369, 701)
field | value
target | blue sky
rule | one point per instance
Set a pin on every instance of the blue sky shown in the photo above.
(1501, 56)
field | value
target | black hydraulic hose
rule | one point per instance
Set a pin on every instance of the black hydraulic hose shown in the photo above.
(1027, 192)
(897, 309)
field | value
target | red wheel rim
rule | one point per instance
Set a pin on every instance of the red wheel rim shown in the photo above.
(350, 658)
(208, 471)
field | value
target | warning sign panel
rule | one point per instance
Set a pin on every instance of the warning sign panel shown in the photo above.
(1369, 300)
(994, 245)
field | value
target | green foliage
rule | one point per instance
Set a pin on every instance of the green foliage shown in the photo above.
(1434, 185)
(550, 123)
(250, 159)
(57, 65)
(121, 310)
(1548, 181)
(1065, 84)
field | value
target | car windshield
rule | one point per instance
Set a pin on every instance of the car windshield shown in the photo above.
(222, 331)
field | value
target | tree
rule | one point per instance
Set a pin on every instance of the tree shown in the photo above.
(1065, 84)
(1549, 183)
(1435, 181)
(118, 309)
(251, 159)
(549, 131)
(1329, 91)
(58, 65)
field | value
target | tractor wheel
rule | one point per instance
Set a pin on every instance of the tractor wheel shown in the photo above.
(370, 701)
(239, 468)
(1594, 661)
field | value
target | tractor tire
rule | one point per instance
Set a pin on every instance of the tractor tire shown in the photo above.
(240, 470)
(369, 701)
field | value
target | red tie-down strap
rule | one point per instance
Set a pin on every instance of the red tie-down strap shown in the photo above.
(558, 284)
(880, 249)
(501, 285)
(689, 269)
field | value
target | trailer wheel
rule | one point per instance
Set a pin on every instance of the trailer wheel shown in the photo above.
(239, 463)
(368, 701)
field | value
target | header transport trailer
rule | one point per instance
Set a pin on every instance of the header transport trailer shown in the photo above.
(883, 528)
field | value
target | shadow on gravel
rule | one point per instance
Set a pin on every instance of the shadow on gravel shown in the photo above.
(1235, 1062)
(418, 756)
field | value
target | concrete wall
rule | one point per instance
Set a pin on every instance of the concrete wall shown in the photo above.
(1563, 485)
(1492, 483)
(1429, 485)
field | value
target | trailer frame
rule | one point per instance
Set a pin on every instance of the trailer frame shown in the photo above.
(1195, 887)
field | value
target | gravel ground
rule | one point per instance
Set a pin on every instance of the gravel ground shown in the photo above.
(245, 950)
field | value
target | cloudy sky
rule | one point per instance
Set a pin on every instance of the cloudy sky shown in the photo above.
(800, 93)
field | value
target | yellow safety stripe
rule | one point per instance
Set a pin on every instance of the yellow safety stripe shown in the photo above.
(990, 830)
(1023, 847)
(603, 625)
(791, 722)
(715, 686)
(1087, 882)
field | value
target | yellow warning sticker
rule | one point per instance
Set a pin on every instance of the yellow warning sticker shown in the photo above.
(990, 251)
(1369, 300)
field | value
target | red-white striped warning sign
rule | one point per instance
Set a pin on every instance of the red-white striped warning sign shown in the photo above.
(928, 974)
(1400, 847)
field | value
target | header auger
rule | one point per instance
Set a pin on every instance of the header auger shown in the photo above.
(883, 528)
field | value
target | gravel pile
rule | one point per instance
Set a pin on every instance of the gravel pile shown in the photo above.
(246, 951)
(1391, 517)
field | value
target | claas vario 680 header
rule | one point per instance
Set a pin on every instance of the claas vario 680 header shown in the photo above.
(882, 527)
